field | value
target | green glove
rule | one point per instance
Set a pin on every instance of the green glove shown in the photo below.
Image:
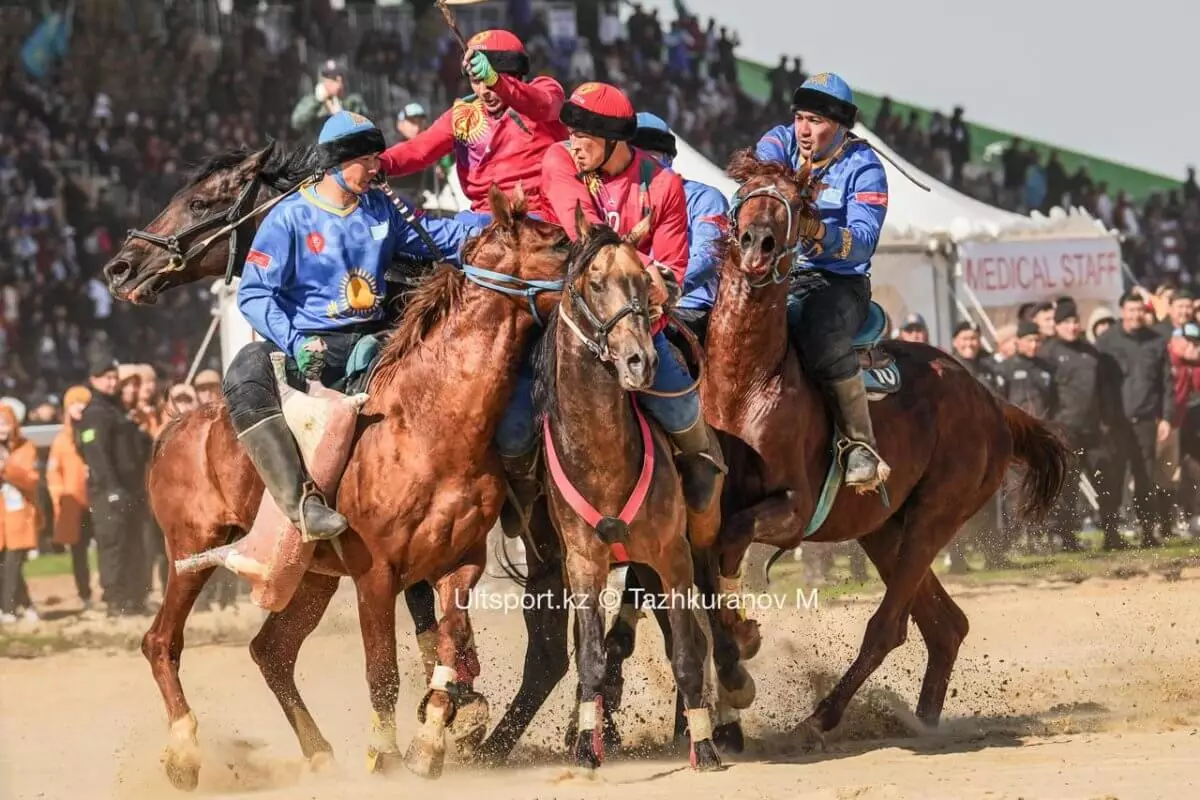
(309, 360)
(481, 70)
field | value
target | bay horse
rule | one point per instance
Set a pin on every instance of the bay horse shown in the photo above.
(947, 438)
(602, 453)
(422, 488)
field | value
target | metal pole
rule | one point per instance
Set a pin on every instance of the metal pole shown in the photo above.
(212, 328)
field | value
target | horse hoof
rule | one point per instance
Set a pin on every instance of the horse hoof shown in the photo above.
(809, 736)
(705, 757)
(469, 726)
(426, 754)
(748, 638)
(183, 770)
(379, 762)
(321, 762)
(585, 751)
(740, 692)
(729, 737)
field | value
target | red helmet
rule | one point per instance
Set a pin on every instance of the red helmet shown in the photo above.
(601, 110)
(503, 49)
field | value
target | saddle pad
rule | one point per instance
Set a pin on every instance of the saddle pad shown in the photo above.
(361, 364)
(873, 327)
(882, 381)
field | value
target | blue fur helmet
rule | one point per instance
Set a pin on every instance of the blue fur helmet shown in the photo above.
(344, 137)
(828, 95)
(655, 135)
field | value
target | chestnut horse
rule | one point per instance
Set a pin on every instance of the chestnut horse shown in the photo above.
(948, 440)
(422, 488)
(602, 453)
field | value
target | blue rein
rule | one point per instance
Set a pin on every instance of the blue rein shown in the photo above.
(512, 285)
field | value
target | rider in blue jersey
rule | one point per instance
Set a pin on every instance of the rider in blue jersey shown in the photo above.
(838, 243)
(313, 287)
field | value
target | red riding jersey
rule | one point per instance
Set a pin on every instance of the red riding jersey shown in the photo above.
(501, 150)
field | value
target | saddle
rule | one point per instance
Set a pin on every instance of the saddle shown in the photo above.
(881, 374)
(273, 556)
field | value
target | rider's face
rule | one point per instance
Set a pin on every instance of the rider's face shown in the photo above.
(359, 173)
(814, 133)
(587, 151)
(491, 101)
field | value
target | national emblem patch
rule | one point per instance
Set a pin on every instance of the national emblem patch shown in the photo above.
(872, 198)
(259, 259)
(315, 243)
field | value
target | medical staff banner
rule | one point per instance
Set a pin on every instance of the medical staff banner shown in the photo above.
(1028, 271)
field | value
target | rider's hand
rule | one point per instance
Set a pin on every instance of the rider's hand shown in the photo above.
(307, 359)
(478, 68)
(811, 226)
(664, 289)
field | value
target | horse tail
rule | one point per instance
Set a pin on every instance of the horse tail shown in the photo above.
(1045, 456)
(508, 566)
(778, 554)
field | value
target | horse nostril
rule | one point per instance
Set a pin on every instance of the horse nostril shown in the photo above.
(768, 243)
(117, 270)
(634, 361)
(747, 240)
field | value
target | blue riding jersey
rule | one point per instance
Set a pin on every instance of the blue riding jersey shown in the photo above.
(316, 268)
(708, 222)
(852, 200)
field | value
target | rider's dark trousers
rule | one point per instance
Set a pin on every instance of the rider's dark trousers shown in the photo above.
(824, 332)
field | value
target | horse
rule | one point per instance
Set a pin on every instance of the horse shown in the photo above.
(600, 449)
(421, 490)
(948, 439)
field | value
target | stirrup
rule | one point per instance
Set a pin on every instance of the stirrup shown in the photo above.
(309, 490)
(842, 454)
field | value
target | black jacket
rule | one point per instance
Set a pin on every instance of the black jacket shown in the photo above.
(1147, 389)
(112, 447)
(1028, 384)
(1087, 387)
(983, 368)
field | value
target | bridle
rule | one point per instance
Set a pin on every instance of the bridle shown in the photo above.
(781, 264)
(226, 223)
(598, 342)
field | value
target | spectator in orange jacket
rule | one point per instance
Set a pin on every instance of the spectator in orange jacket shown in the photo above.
(20, 519)
(66, 478)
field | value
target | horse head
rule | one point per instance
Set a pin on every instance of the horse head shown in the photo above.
(197, 235)
(765, 215)
(608, 300)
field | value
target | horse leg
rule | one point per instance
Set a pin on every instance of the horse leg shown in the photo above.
(588, 573)
(450, 688)
(163, 648)
(727, 732)
(942, 623)
(546, 655)
(376, 591)
(419, 599)
(618, 647)
(687, 650)
(275, 648)
(888, 627)
(644, 578)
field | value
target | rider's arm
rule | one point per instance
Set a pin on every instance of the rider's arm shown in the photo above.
(541, 99)
(270, 266)
(866, 198)
(669, 232)
(421, 151)
(563, 190)
(710, 222)
(448, 234)
(773, 146)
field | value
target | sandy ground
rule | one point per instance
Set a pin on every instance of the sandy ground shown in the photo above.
(1061, 691)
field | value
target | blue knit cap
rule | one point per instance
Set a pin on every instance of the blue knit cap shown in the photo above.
(654, 134)
(828, 95)
(344, 137)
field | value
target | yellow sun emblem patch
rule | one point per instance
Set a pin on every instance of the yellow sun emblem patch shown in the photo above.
(478, 39)
(469, 122)
(820, 79)
(359, 296)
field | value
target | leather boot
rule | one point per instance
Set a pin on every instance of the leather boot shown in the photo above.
(274, 454)
(699, 461)
(523, 479)
(865, 468)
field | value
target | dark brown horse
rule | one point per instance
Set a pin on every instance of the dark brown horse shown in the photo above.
(421, 490)
(604, 456)
(948, 440)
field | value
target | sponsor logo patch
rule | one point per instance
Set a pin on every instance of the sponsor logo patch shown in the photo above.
(259, 259)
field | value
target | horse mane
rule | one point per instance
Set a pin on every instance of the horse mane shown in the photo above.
(545, 354)
(744, 166)
(283, 169)
(434, 300)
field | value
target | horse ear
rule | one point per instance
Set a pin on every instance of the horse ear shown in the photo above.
(582, 225)
(640, 231)
(742, 165)
(256, 162)
(502, 210)
(518, 199)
